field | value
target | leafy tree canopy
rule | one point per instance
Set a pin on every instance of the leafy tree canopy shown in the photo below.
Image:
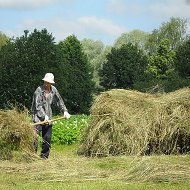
(3, 39)
(182, 62)
(25, 61)
(124, 67)
(173, 30)
(136, 37)
(162, 64)
(77, 86)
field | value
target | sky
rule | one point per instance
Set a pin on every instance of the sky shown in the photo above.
(103, 20)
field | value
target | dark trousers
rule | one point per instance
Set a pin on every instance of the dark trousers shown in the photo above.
(46, 139)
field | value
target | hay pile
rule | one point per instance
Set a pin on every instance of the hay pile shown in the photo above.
(16, 134)
(128, 122)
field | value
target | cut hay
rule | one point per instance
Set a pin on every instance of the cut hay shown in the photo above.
(126, 122)
(16, 135)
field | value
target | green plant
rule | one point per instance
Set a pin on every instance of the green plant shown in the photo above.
(69, 131)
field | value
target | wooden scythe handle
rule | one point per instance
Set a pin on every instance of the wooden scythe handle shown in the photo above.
(43, 122)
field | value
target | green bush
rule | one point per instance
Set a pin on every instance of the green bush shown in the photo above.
(69, 131)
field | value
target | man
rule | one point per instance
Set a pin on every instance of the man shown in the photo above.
(43, 98)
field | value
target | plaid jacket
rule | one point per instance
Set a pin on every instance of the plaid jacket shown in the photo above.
(41, 105)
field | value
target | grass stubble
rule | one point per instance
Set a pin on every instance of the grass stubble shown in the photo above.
(66, 170)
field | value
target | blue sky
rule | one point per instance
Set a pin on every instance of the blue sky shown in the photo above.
(103, 20)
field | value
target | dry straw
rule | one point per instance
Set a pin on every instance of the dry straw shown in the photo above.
(126, 122)
(16, 134)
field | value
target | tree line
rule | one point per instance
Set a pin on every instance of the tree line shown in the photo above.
(82, 69)
(26, 59)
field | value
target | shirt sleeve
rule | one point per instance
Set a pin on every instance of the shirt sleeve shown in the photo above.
(60, 102)
(38, 104)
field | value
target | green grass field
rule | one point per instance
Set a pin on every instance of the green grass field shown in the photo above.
(66, 170)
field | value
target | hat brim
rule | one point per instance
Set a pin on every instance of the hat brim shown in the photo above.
(48, 80)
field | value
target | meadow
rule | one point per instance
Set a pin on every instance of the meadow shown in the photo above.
(65, 169)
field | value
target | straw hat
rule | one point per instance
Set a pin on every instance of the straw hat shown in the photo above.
(49, 77)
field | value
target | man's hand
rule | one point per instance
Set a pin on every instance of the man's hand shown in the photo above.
(46, 118)
(67, 115)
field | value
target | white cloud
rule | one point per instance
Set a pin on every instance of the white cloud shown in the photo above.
(154, 9)
(117, 6)
(82, 27)
(65, 22)
(174, 8)
(105, 26)
(59, 28)
(22, 4)
(124, 7)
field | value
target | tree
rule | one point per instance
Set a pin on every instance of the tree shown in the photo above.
(98, 63)
(173, 30)
(3, 39)
(168, 69)
(25, 61)
(182, 61)
(77, 86)
(93, 50)
(136, 37)
(161, 65)
(124, 67)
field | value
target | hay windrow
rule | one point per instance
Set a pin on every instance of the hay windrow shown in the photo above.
(16, 135)
(126, 122)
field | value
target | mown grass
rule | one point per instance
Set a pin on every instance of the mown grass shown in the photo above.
(66, 170)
